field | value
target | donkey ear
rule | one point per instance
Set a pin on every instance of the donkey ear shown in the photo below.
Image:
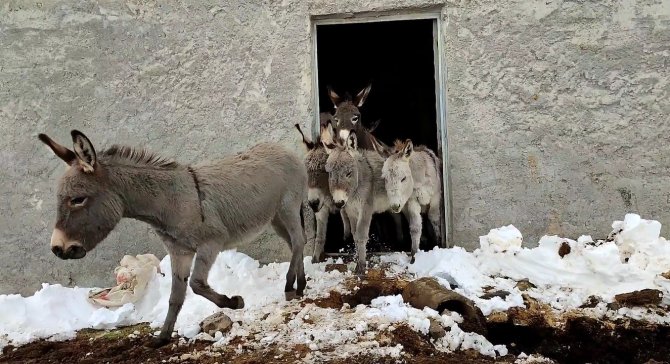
(352, 140)
(84, 150)
(408, 149)
(307, 143)
(334, 97)
(379, 148)
(327, 133)
(63, 153)
(374, 125)
(362, 95)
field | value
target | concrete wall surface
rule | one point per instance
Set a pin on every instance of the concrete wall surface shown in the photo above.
(558, 111)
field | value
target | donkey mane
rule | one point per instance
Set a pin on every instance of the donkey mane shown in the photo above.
(140, 157)
(398, 145)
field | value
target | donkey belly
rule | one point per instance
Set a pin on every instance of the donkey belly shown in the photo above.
(244, 193)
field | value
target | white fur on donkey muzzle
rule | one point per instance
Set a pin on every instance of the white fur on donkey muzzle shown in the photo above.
(65, 248)
(344, 134)
(340, 196)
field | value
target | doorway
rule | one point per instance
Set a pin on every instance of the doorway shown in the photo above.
(399, 59)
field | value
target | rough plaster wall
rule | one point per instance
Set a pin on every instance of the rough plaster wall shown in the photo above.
(558, 111)
(558, 115)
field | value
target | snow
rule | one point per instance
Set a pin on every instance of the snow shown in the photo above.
(632, 259)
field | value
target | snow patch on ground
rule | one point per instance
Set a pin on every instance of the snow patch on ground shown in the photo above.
(632, 259)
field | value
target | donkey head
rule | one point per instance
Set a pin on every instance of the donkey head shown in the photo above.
(342, 168)
(347, 115)
(317, 177)
(397, 175)
(88, 210)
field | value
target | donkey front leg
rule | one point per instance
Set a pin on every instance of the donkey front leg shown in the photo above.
(412, 211)
(361, 238)
(320, 241)
(204, 258)
(181, 265)
(346, 225)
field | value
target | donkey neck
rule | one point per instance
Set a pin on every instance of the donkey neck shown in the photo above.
(159, 197)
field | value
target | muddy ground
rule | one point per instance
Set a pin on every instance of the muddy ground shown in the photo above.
(569, 338)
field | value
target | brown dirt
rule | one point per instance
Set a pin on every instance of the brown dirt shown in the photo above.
(363, 291)
(564, 249)
(117, 349)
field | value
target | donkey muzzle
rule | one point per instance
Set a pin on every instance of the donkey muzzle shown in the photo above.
(395, 208)
(339, 204)
(65, 248)
(315, 205)
(73, 252)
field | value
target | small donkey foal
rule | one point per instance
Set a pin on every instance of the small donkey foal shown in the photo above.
(197, 210)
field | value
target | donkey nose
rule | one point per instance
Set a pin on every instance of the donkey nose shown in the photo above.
(339, 204)
(314, 204)
(58, 251)
(395, 207)
(75, 252)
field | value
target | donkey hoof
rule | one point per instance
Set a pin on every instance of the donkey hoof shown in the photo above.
(236, 302)
(411, 260)
(157, 342)
(290, 295)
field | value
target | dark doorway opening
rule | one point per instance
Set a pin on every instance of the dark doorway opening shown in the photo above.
(397, 58)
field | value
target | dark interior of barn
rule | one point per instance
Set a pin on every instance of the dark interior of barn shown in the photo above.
(397, 59)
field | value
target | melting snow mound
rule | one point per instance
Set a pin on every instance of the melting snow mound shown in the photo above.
(633, 258)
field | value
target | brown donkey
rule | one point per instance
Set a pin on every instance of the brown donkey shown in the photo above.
(347, 117)
(197, 210)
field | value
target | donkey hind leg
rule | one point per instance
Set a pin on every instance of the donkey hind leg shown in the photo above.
(204, 258)
(287, 224)
(361, 234)
(181, 265)
(412, 211)
(434, 216)
(320, 241)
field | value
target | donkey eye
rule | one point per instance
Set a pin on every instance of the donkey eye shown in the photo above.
(78, 201)
(337, 121)
(354, 118)
(349, 174)
(403, 179)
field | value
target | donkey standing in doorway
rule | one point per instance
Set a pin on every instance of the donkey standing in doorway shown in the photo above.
(318, 195)
(197, 210)
(412, 177)
(354, 177)
(347, 117)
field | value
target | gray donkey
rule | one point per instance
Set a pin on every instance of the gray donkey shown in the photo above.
(197, 210)
(412, 177)
(318, 195)
(354, 177)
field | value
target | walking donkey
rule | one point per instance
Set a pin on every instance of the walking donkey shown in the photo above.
(197, 210)
(354, 178)
(412, 178)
